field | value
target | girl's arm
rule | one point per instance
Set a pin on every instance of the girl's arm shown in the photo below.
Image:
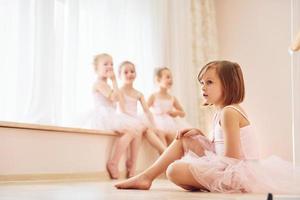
(122, 102)
(104, 89)
(146, 109)
(110, 93)
(230, 120)
(178, 109)
(189, 132)
(151, 100)
(115, 95)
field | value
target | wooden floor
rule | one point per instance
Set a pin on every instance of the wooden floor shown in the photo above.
(161, 189)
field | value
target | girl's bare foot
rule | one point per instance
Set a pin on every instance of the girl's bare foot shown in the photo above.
(130, 173)
(140, 182)
(112, 170)
(129, 169)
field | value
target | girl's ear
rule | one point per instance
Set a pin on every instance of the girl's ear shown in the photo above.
(157, 79)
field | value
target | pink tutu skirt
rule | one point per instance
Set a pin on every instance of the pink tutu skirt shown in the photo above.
(218, 173)
(107, 118)
(166, 123)
(138, 122)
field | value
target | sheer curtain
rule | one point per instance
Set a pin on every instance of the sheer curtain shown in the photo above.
(192, 43)
(204, 50)
(47, 49)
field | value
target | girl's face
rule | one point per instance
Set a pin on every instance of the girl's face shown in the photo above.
(127, 73)
(212, 89)
(104, 67)
(166, 79)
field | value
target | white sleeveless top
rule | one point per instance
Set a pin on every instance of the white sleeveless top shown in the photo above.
(101, 101)
(162, 106)
(248, 143)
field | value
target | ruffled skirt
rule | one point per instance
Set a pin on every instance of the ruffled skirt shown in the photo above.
(107, 118)
(218, 173)
(168, 124)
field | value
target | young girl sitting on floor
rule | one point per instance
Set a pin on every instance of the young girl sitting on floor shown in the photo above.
(230, 162)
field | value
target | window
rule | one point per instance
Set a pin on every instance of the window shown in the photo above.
(47, 50)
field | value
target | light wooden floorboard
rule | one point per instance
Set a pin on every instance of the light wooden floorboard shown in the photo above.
(161, 189)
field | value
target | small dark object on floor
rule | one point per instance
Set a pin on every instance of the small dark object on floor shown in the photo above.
(270, 196)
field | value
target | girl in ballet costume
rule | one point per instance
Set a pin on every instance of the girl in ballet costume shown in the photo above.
(106, 117)
(230, 162)
(166, 108)
(131, 97)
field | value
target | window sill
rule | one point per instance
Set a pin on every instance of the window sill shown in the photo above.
(18, 125)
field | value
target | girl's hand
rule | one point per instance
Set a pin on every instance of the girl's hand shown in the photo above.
(188, 133)
(155, 130)
(111, 75)
(172, 113)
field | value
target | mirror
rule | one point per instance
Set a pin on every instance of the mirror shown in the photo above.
(47, 50)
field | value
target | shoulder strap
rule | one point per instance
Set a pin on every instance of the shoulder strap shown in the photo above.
(235, 108)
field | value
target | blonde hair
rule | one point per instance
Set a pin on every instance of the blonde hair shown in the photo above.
(158, 72)
(231, 76)
(100, 57)
(126, 62)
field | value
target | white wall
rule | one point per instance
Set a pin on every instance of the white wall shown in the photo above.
(296, 81)
(256, 34)
(28, 151)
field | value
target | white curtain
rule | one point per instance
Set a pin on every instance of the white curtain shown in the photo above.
(204, 50)
(47, 48)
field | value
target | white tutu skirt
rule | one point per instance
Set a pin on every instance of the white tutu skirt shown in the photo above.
(107, 118)
(218, 173)
(168, 124)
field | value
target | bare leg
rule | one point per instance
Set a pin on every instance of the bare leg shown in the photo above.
(144, 180)
(179, 173)
(131, 162)
(169, 138)
(119, 146)
(161, 135)
(128, 158)
(155, 141)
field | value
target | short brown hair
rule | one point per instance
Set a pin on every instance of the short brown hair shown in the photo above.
(231, 76)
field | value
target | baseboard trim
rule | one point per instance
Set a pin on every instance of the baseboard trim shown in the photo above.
(86, 176)
(61, 177)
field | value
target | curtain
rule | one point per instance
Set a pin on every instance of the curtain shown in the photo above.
(190, 41)
(47, 50)
(204, 50)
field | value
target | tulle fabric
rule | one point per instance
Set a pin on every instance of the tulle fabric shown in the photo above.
(218, 173)
(163, 121)
(105, 116)
(169, 124)
(139, 121)
(227, 175)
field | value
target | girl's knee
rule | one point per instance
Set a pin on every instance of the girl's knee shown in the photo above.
(173, 171)
(130, 133)
(190, 144)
